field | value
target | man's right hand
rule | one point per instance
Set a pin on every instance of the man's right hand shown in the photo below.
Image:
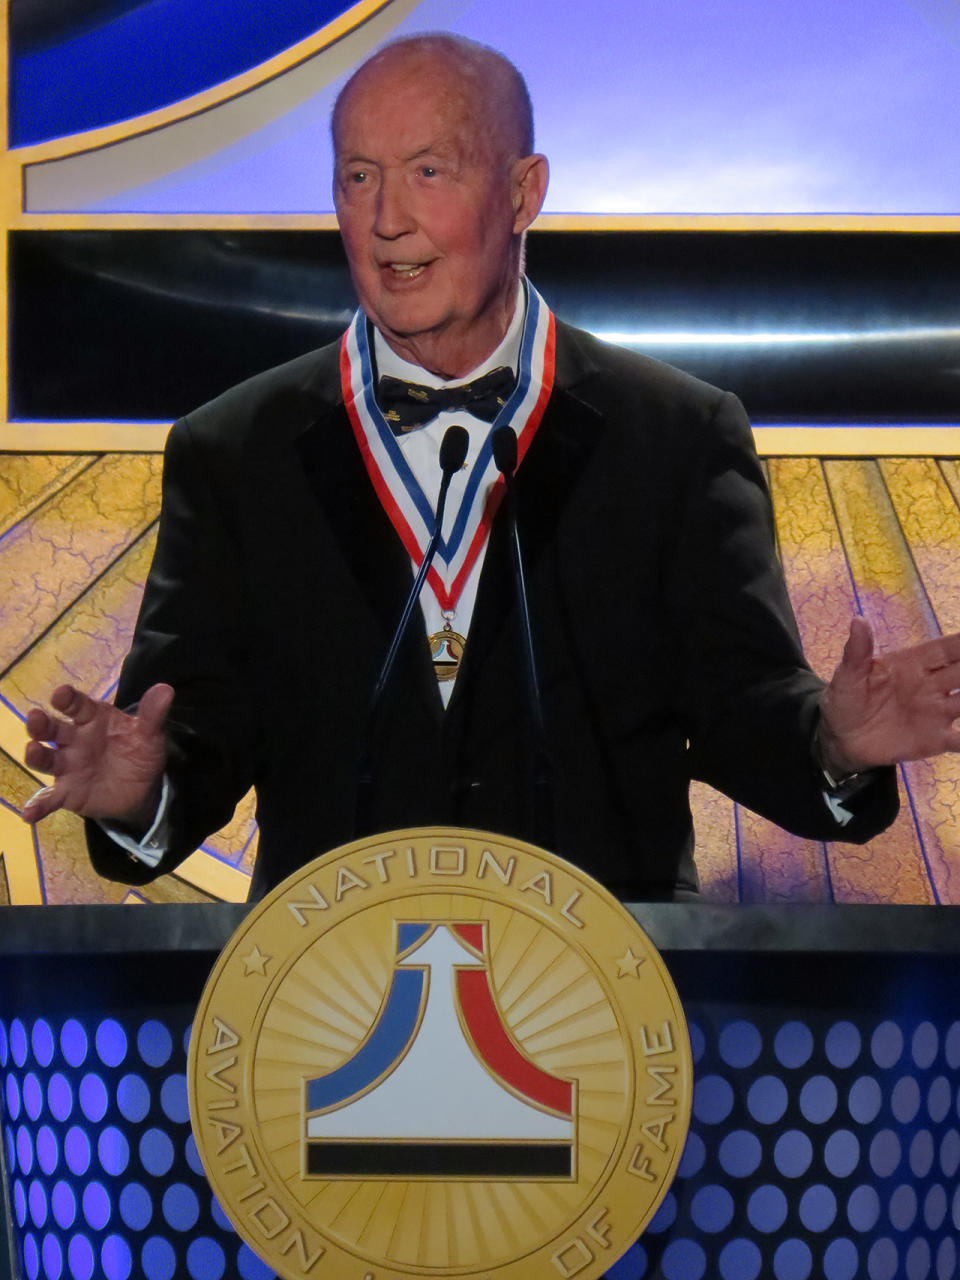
(106, 763)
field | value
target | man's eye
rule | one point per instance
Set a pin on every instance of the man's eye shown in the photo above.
(428, 171)
(357, 177)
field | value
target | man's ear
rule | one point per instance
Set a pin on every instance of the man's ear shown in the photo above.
(530, 177)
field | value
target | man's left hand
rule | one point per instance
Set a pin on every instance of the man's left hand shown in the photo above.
(879, 710)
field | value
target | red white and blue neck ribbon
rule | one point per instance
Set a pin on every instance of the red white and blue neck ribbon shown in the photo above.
(408, 507)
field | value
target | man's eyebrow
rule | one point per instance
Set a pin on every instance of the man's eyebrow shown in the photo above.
(431, 149)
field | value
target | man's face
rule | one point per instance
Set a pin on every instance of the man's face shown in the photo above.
(427, 205)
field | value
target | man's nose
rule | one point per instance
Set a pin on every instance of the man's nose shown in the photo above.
(393, 212)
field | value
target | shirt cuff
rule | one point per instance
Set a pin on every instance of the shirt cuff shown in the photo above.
(836, 794)
(149, 849)
(837, 791)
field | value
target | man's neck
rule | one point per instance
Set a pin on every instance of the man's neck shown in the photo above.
(400, 364)
(453, 356)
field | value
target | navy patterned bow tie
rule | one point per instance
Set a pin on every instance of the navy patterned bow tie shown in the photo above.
(407, 405)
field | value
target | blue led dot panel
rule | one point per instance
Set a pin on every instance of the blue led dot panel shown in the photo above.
(820, 1149)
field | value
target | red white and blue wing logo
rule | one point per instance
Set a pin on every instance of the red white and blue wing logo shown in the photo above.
(439, 1087)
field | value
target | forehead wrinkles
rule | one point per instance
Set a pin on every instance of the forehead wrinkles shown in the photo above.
(456, 110)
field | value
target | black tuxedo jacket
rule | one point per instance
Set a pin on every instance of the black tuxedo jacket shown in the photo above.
(666, 642)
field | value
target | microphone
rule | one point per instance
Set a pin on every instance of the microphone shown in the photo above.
(453, 453)
(504, 445)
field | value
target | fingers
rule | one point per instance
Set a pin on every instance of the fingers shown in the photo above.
(71, 702)
(100, 757)
(42, 758)
(858, 650)
(153, 708)
(49, 735)
(41, 804)
(944, 679)
(938, 658)
(943, 654)
(44, 728)
(40, 725)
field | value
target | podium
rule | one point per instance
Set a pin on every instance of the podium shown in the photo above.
(824, 1142)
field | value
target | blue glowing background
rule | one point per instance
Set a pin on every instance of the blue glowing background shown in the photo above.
(642, 105)
(137, 55)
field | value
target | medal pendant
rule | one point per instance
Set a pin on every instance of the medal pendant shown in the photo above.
(446, 650)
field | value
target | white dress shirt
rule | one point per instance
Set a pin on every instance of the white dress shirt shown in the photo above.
(421, 449)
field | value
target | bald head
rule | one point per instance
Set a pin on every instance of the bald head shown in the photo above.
(493, 91)
(435, 186)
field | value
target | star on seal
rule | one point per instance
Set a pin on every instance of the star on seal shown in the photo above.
(255, 962)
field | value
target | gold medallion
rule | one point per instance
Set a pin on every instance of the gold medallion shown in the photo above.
(446, 650)
(438, 1052)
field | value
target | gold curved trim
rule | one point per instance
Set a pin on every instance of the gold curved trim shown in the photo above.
(4, 333)
(858, 442)
(19, 859)
(13, 739)
(798, 441)
(67, 437)
(208, 874)
(105, 164)
(13, 164)
(9, 204)
(172, 221)
(907, 222)
(92, 139)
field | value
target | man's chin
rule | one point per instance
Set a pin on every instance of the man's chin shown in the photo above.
(407, 322)
(424, 347)
(410, 326)
(447, 346)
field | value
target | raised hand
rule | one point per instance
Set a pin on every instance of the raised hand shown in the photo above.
(105, 763)
(897, 706)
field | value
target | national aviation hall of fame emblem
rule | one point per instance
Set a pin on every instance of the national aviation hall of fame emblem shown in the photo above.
(438, 1052)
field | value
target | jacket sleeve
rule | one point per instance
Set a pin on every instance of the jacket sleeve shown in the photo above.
(750, 699)
(192, 633)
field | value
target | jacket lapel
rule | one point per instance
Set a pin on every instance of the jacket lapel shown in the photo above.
(366, 539)
(551, 470)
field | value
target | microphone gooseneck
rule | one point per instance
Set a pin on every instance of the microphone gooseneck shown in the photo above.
(504, 445)
(453, 453)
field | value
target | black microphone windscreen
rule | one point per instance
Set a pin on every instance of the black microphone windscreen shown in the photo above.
(504, 445)
(453, 449)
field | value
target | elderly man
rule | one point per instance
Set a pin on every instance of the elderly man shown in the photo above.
(296, 505)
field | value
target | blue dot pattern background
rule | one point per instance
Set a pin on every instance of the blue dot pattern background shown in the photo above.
(819, 1149)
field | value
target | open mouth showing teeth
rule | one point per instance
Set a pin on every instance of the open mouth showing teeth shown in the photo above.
(407, 270)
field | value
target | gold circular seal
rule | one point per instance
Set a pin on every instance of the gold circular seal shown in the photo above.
(438, 1052)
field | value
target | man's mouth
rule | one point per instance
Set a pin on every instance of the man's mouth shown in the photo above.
(407, 270)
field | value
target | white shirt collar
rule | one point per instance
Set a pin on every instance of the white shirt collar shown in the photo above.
(507, 353)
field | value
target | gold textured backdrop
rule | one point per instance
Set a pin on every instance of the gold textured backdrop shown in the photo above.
(878, 535)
